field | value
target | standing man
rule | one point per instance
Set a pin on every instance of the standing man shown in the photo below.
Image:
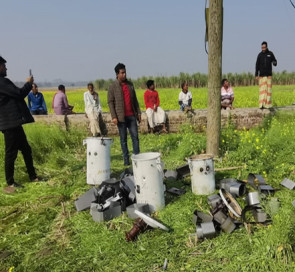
(124, 110)
(93, 109)
(13, 114)
(263, 73)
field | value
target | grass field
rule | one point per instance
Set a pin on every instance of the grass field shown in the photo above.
(41, 230)
(244, 97)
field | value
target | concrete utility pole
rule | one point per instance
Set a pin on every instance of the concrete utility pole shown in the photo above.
(214, 75)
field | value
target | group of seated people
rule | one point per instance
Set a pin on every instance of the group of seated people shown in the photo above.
(155, 114)
(37, 105)
(185, 97)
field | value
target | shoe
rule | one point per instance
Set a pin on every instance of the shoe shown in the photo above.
(16, 185)
(37, 179)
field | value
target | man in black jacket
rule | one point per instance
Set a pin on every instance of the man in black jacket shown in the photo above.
(13, 114)
(263, 73)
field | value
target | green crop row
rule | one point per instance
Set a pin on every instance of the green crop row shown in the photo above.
(201, 80)
(244, 97)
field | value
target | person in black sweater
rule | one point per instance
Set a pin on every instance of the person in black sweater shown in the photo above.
(263, 74)
(13, 114)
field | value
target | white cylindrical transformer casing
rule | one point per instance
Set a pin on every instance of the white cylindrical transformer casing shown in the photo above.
(148, 179)
(202, 174)
(98, 159)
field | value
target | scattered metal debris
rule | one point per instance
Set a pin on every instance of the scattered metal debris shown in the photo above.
(199, 217)
(288, 183)
(266, 189)
(226, 213)
(253, 199)
(183, 171)
(259, 215)
(84, 201)
(228, 225)
(142, 207)
(233, 186)
(151, 221)
(206, 230)
(170, 174)
(176, 191)
(99, 214)
(214, 201)
(254, 180)
(165, 265)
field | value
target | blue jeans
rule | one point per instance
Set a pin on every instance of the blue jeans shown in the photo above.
(131, 124)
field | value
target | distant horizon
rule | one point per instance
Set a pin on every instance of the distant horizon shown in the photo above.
(85, 82)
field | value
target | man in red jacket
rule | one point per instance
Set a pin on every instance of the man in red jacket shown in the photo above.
(13, 114)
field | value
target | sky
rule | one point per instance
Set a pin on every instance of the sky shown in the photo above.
(83, 40)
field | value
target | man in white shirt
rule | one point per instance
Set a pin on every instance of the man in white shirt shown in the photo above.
(93, 109)
(185, 98)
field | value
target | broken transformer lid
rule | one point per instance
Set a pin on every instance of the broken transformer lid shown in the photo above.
(230, 203)
(150, 221)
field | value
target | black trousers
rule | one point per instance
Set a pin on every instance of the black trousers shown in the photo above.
(15, 140)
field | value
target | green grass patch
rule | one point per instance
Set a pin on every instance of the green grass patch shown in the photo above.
(42, 231)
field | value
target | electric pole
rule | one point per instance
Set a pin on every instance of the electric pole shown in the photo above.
(215, 29)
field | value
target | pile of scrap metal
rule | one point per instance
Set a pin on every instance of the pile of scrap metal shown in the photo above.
(112, 197)
(225, 212)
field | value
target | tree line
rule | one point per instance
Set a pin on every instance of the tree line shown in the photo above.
(199, 80)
